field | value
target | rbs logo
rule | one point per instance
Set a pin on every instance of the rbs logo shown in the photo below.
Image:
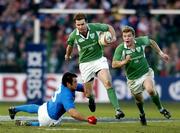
(34, 59)
(35, 73)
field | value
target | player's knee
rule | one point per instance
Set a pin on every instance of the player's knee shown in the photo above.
(87, 94)
(107, 84)
(152, 93)
(139, 99)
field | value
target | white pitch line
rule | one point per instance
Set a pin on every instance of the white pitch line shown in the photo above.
(100, 119)
(61, 129)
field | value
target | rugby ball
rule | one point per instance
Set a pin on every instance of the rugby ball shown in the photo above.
(105, 38)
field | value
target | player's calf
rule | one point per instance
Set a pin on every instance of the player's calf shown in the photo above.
(92, 104)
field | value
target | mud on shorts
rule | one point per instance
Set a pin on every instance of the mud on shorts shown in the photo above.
(136, 86)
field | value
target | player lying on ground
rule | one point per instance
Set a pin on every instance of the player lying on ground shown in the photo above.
(51, 112)
(140, 76)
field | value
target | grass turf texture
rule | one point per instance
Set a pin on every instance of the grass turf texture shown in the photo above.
(105, 110)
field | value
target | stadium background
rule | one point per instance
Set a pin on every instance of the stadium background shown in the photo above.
(16, 31)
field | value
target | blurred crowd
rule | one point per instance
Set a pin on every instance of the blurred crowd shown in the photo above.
(16, 31)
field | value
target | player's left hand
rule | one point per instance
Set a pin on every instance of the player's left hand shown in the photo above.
(92, 120)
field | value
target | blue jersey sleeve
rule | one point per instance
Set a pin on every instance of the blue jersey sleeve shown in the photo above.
(80, 87)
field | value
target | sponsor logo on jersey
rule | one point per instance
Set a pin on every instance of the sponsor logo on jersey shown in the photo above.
(128, 51)
(81, 40)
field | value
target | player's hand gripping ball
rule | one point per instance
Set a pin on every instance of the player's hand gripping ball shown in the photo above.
(105, 38)
(92, 120)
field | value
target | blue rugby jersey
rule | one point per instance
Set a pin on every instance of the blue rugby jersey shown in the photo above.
(62, 101)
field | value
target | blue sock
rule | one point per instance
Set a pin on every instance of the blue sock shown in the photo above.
(29, 108)
(34, 123)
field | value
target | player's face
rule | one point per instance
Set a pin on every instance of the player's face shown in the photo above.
(81, 25)
(73, 86)
(128, 38)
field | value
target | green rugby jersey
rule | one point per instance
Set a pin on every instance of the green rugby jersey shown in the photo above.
(89, 48)
(138, 65)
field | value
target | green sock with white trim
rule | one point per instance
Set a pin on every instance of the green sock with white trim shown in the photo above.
(113, 98)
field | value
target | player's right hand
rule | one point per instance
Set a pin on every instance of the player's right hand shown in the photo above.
(128, 58)
(92, 120)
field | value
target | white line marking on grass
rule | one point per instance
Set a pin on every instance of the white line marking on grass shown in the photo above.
(100, 119)
(61, 129)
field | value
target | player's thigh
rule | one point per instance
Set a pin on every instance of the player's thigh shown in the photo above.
(102, 70)
(149, 83)
(105, 77)
(104, 74)
(135, 86)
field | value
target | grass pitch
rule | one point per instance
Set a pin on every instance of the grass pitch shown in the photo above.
(106, 124)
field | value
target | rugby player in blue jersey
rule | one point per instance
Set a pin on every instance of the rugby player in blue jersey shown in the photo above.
(51, 112)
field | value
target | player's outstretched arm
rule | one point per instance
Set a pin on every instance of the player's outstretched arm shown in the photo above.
(155, 46)
(76, 115)
(69, 50)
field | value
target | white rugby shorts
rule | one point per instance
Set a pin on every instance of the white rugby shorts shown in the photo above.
(88, 69)
(44, 119)
(136, 86)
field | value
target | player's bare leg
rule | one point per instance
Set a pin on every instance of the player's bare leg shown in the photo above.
(105, 77)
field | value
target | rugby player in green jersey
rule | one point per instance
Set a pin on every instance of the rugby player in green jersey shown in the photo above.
(139, 75)
(91, 60)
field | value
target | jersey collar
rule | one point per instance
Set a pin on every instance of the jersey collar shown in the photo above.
(125, 46)
(77, 32)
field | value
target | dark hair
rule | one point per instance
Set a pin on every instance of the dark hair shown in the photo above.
(68, 78)
(79, 16)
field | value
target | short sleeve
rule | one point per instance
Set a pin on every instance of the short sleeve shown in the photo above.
(71, 39)
(144, 40)
(118, 53)
(101, 27)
